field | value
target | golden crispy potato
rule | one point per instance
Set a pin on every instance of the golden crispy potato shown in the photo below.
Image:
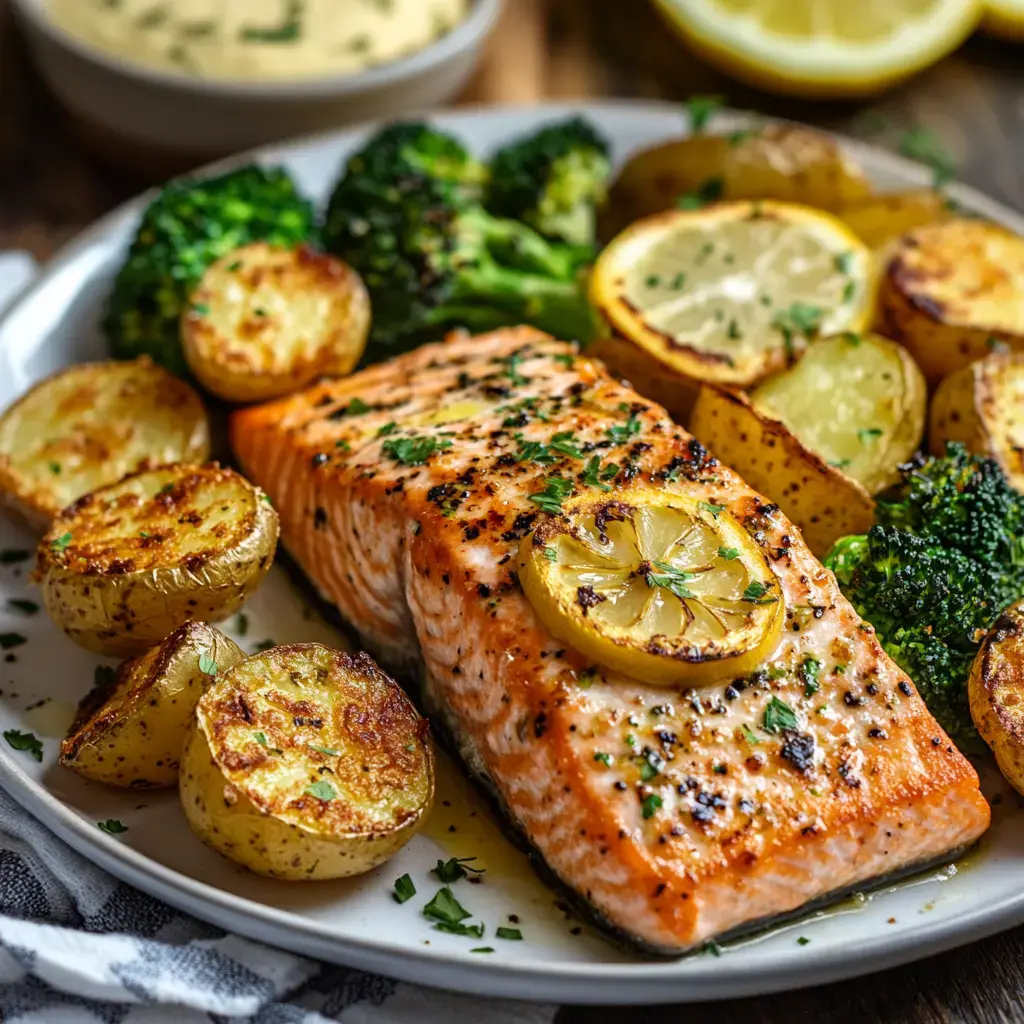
(265, 321)
(131, 733)
(734, 292)
(995, 689)
(654, 379)
(775, 161)
(824, 502)
(949, 290)
(305, 763)
(126, 565)
(876, 220)
(90, 425)
(858, 401)
(982, 407)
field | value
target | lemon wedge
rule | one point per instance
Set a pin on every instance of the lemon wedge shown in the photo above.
(658, 586)
(821, 48)
(733, 292)
(1004, 18)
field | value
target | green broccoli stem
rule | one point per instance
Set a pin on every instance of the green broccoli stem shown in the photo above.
(518, 244)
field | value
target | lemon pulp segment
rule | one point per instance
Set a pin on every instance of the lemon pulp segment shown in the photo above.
(660, 587)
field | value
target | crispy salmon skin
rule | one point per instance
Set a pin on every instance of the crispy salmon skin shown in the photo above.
(404, 493)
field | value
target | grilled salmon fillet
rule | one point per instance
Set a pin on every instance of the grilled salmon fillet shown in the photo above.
(404, 492)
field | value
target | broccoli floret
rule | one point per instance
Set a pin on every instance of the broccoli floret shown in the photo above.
(936, 570)
(406, 215)
(190, 225)
(554, 180)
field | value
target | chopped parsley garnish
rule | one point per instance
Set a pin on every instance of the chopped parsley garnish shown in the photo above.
(709, 191)
(413, 451)
(672, 579)
(602, 758)
(741, 135)
(926, 147)
(650, 805)
(749, 735)
(734, 333)
(326, 751)
(840, 463)
(592, 474)
(20, 604)
(287, 31)
(779, 716)
(713, 948)
(649, 768)
(11, 556)
(8, 641)
(55, 468)
(206, 664)
(61, 542)
(404, 889)
(701, 109)
(868, 434)
(802, 940)
(388, 428)
(533, 451)
(621, 434)
(551, 554)
(356, 407)
(562, 443)
(810, 669)
(556, 490)
(755, 592)
(707, 506)
(448, 914)
(516, 378)
(800, 320)
(27, 741)
(844, 262)
(729, 554)
(322, 790)
(483, 949)
(849, 291)
(567, 360)
(448, 871)
(507, 933)
(261, 739)
(112, 827)
(652, 281)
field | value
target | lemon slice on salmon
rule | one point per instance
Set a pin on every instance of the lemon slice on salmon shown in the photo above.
(658, 586)
(733, 292)
(822, 47)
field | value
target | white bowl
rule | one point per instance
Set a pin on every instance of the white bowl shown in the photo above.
(147, 118)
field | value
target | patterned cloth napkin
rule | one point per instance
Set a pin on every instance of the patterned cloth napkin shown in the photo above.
(79, 947)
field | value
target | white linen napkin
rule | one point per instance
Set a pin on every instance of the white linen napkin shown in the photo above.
(79, 947)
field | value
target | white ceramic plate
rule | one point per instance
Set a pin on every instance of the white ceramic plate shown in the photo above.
(357, 922)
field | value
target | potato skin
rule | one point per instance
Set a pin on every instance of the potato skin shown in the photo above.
(842, 387)
(995, 689)
(124, 566)
(949, 290)
(777, 161)
(89, 425)
(877, 220)
(265, 321)
(654, 379)
(982, 407)
(293, 718)
(131, 734)
(822, 501)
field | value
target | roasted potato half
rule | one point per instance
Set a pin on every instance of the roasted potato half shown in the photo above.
(775, 161)
(982, 407)
(650, 376)
(949, 290)
(90, 425)
(824, 502)
(131, 733)
(305, 763)
(265, 321)
(876, 220)
(858, 401)
(995, 689)
(126, 565)
(735, 292)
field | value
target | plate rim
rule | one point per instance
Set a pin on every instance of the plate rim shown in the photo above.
(607, 983)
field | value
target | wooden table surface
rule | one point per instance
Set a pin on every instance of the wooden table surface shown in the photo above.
(591, 48)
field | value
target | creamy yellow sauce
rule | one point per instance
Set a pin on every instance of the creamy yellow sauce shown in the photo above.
(258, 39)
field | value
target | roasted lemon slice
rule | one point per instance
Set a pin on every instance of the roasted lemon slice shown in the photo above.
(659, 586)
(733, 292)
